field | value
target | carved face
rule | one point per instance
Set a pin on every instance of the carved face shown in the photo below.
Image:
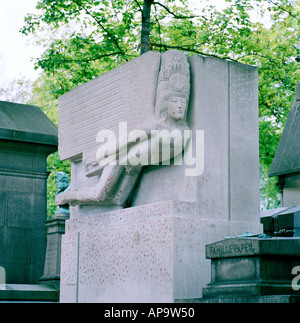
(62, 181)
(176, 107)
(62, 184)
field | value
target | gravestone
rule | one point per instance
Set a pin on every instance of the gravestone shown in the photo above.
(56, 228)
(282, 221)
(285, 221)
(286, 163)
(27, 137)
(138, 234)
(252, 270)
(252, 267)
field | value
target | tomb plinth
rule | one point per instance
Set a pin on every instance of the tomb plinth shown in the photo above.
(252, 270)
(27, 137)
(56, 228)
(151, 246)
(252, 267)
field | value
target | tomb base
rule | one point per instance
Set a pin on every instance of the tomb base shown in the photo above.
(251, 268)
(26, 293)
(150, 253)
(56, 228)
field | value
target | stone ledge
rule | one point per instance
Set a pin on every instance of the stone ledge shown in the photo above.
(142, 213)
(22, 292)
(241, 247)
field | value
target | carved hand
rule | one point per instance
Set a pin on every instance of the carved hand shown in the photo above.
(63, 198)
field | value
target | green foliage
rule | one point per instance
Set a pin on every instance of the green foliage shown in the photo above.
(86, 38)
(18, 91)
(269, 192)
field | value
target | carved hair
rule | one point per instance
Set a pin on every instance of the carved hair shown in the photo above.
(174, 81)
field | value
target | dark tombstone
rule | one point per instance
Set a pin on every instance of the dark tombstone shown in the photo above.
(27, 137)
(285, 221)
(286, 163)
(252, 270)
(252, 267)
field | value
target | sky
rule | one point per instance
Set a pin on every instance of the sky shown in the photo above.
(16, 51)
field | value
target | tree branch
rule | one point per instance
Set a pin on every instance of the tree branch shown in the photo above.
(283, 9)
(172, 13)
(140, 8)
(91, 59)
(103, 28)
(186, 49)
(86, 60)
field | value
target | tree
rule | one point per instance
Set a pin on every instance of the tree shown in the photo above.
(18, 91)
(85, 38)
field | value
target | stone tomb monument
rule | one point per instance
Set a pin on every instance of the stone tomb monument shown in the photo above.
(264, 269)
(286, 163)
(253, 270)
(164, 155)
(27, 137)
(285, 221)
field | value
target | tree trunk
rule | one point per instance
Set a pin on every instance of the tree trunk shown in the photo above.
(145, 42)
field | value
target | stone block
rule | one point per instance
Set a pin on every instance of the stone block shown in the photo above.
(19, 208)
(27, 137)
(126, 93)
(15, 160)
(151, 253)
(154, 250)
(27, 293)
(69, 268)
(252, 267)
(26, 123)
(12, 181)
(56, 228)
(224, 104)
(16, 252)
(282, 222)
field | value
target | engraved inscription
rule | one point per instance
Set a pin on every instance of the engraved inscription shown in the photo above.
(233, 249)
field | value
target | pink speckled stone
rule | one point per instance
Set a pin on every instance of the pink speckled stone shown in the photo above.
(149, 253)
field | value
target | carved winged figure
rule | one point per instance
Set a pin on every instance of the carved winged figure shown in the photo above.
(117, 176)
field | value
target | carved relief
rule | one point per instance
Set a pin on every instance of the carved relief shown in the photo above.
(119, 164)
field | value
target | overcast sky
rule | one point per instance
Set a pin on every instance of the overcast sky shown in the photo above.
(15, 55)
(15, 49)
